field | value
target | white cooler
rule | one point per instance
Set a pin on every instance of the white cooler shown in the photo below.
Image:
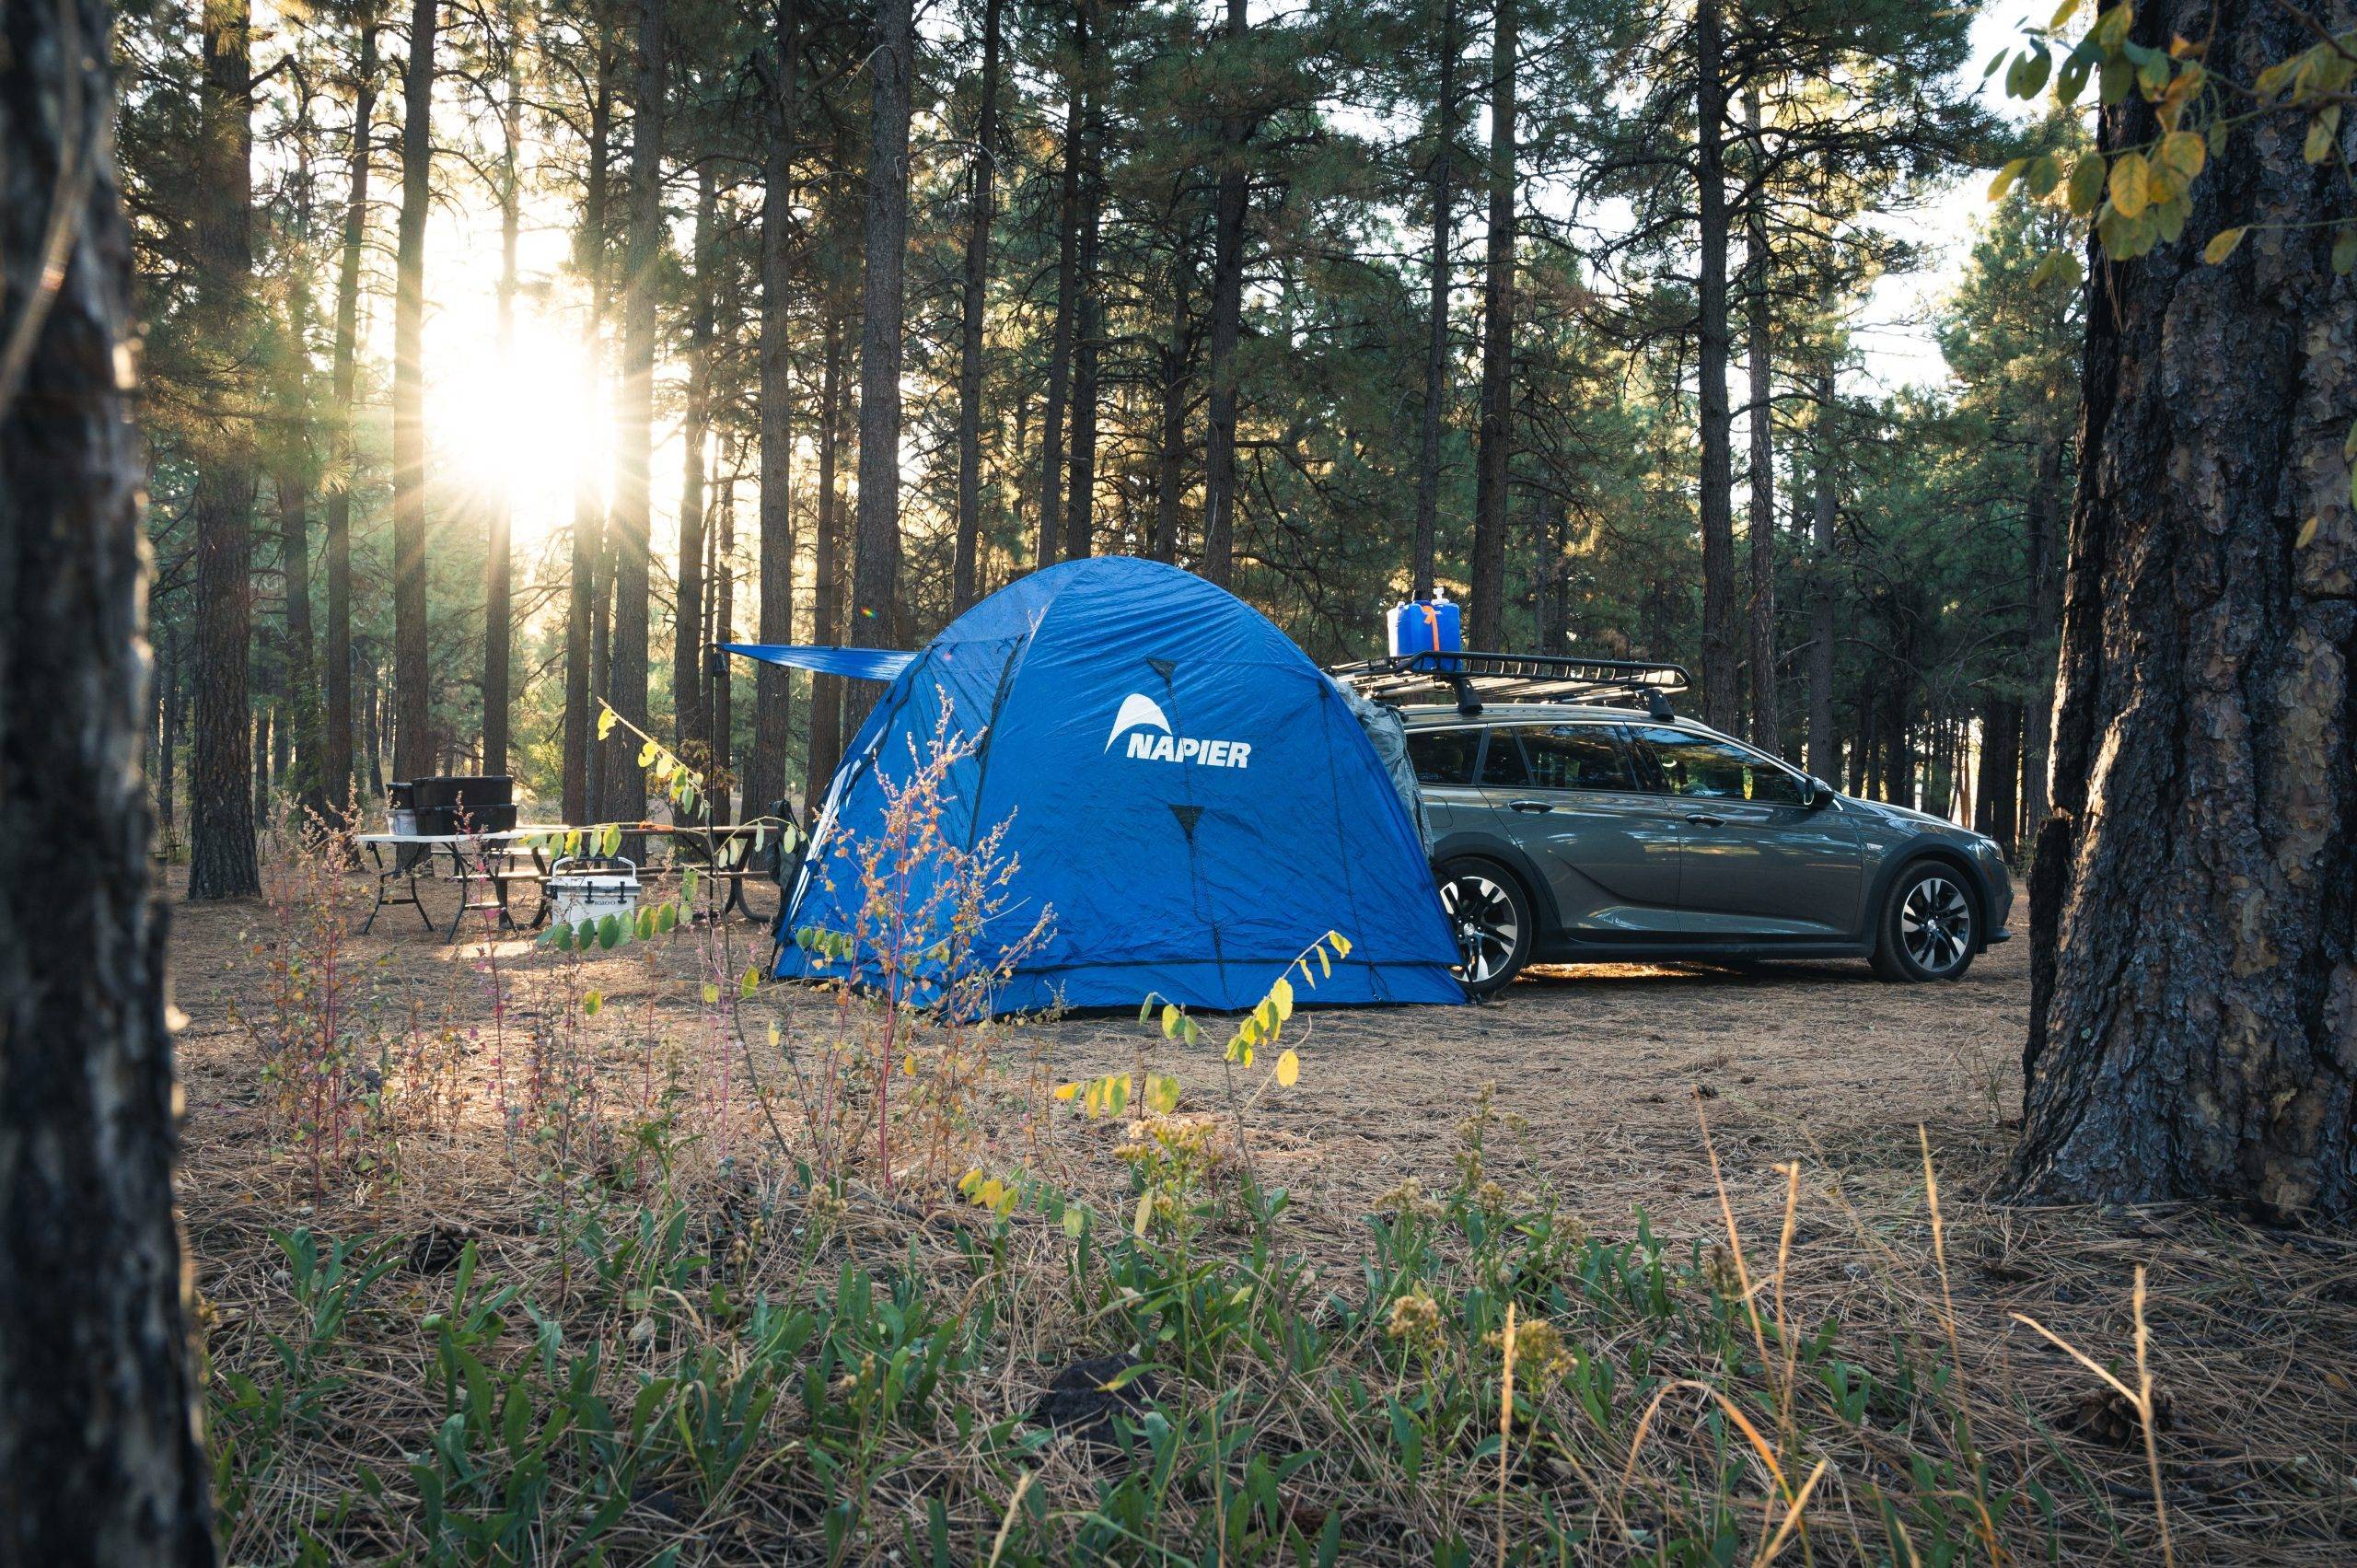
(591, 889)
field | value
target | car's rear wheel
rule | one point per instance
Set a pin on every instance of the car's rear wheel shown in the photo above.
(1490, 916)
(1929, 925)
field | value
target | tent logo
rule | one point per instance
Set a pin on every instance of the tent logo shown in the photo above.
(1141, 717)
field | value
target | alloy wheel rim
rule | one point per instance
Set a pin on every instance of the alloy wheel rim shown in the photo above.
(1482, 918)
(1936, 924)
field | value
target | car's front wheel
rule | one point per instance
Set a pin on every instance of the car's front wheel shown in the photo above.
(1928, 925)
(1490, 916)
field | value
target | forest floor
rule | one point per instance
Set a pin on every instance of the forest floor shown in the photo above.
(1661, 1103)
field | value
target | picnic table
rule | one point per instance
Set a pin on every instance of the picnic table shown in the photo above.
(492, 861)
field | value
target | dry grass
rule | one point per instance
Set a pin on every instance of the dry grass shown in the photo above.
(1835, 1110)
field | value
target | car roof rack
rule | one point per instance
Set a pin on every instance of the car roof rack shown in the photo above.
(1472, 678)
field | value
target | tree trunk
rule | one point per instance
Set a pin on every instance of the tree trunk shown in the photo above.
(723, 629)
(625, 784)
(583, 594)
(2045, 584)
(772, 684)
(876, 569)
(498, 604)
(1080, 496)
(1722, 641)
(687, 651)
(167, 676)
(1824, 744)
(1170, 461)
(2000, 766)
(1228, 326)
(1494, 461)
(221, 820)
(413, 697)
(99, 1461)
(1060, 339)
(1767, 722)
(2195, 949)
(296, 466)
(965, 576)
(1423, 550)
(826, 566)
(337, 771)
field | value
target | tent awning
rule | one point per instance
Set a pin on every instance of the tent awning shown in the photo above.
(859, 664)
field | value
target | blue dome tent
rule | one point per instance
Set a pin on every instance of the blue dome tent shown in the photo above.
(1186, 792)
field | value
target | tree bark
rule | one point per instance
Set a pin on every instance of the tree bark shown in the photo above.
(1824, 742)
(412, 695)
(296, 466)
(221, 819)
(337, 772)
(723, 629)
(876, 569)
(1228, 326)
(1494, 461)
(965, 576)
(498, 602)
(2196, 944)
(1423, 550)
(772, 684)
(1767, 722)
(583, 593)
(2044, 571)
(1080, 496)
(1170, 460)
(687, 650)
(826, 566)
(1722, 644)
(99, 1461)
(631, 526)
(1059, 338)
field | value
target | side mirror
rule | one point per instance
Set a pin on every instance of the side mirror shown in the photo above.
(1816, 794)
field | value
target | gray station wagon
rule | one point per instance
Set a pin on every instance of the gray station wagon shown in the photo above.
(1576, 818)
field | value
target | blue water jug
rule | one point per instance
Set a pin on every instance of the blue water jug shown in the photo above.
(1426, 625)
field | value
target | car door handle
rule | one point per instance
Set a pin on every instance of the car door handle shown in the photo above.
(1704, 819)
(1530, 806)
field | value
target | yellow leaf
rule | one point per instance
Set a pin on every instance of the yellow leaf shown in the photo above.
(1145, 1212)
(1281, 995)
(909, 1066)
(591, 1003)
(646, 755)
(1342, 944)
(2006, 177)
(2184, 151)
(1288, 1070)
(1066, 1091)
(1170, 1017)
(605, 718)
(2221, 244)
(2308, 532)
(2131, 185)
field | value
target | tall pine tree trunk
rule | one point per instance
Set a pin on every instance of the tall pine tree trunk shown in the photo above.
(1170, 460)
(221, 820)
(687, 652)
(632, 517)
(1080, 496)
(584, 593)
(1494, 461)
(2193, 940)
(99, 1461)
(876, 562)
(1059, 338)
(772, 684)
(723, 629)
(2045, 584)
(1824, 741)
(1423, 551)
(827, 562)
(413, 697)
(498, 604)
(1766, 723)
(965, 574)
(1722, 640)
(1226, 326)
(337, 773)
(296, 464)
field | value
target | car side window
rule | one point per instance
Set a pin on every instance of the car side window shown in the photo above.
(1502, 765)
(1443, 756)
(1575, 755)
(1698, 767)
